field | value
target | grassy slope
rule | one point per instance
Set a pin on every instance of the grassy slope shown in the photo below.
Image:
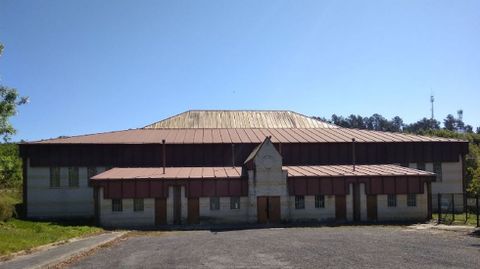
(16, 235)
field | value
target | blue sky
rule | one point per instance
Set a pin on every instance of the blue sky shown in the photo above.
(93, 66)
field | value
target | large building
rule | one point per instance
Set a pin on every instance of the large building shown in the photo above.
(241, 166)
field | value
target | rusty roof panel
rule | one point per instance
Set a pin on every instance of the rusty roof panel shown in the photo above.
(239, 119)
(170, 173)
(235, 172)
(360, 170)
(218, 136)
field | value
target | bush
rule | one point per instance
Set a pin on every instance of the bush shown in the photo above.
(8, 199)
(6, 209)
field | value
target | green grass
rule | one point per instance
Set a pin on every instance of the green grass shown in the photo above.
(459, 219)
(17, 235)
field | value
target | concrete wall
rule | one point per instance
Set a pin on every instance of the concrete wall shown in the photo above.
(310, 213)
(62, 202)
(268, 179)
(451, 183)
(224, 214)
(402, 212)
(127, 217)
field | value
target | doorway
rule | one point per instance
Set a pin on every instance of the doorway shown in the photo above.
(160, 211)
(268, 209)
(193, 210)
(340, 208)
(372, 207)
(177, 205)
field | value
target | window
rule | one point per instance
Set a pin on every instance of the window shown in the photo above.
(437, 169)
(73, 177)
(54, 177)
(117, 205)
(421, 166)
(137, 204)
(319, 201)
(412, 199)
(234, 202)
(214, 203)
(299, 202)
(392, 200)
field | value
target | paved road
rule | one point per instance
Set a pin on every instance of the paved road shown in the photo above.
(339, 247)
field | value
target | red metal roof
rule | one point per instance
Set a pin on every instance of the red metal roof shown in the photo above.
(347, 171)
(241, 135)
(170, 173)
(235, 172)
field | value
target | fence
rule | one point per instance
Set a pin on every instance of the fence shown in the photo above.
(456, 209)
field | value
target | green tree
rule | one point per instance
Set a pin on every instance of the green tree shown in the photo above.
(9, 101)
(10, 163)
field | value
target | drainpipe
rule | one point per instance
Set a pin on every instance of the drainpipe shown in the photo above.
(164, 155)
(353, 153)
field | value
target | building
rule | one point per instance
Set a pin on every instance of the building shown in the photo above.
(241, 166)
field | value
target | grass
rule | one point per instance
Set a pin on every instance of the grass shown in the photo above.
(459, 219)
(17, 235)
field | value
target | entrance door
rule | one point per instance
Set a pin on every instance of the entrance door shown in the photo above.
(193, 211)
(177, 204)
(371, 207)
(268, 209)
(340, 208)
(160, 211)
(356, 202)
(274, 209)
(262, 209)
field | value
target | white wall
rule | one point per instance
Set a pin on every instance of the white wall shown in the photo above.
(224, 214)
(402, 212)
(310, 213)
(127, 217)
(46, 202)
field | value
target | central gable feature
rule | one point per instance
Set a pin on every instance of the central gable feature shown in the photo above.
(264, 156)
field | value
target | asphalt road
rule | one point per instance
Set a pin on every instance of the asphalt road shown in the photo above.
(320, 247)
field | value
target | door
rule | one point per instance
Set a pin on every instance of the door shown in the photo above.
(356, 202)
(160, 211)
(371, 207)
(274, 209)
(193, 211)
(262, 210)
(268, 209)
(177, 205)
(340, 208)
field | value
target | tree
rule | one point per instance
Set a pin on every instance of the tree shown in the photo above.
(422, 125)
(10, 164)
(449, 123)
(9, 100)
(478, 130)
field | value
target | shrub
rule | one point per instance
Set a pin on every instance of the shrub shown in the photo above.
(6, 209)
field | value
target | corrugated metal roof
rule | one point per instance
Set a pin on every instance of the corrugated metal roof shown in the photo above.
(235, 172)
(239, 119)
(347, 171)
(170, 173)
(237, 135)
